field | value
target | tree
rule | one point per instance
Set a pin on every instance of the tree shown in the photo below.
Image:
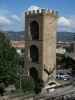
(8, 60)
(10, 63)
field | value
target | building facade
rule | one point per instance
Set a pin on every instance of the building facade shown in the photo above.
(40, 43)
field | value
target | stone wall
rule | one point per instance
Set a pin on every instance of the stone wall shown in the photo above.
(47, 20)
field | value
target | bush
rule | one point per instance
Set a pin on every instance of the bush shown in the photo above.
(27, 85)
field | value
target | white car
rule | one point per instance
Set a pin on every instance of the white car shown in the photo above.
(66, 77)
(63, 76)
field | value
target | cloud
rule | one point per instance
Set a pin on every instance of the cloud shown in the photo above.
(72, 21)
(33, 7)
(7, 23)
(16, 18)
(66, 24)
(4, 20)
(63, 21)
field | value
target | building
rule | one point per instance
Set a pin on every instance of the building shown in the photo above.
(40, 43)
(19, 46)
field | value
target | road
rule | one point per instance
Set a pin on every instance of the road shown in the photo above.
(66, 91)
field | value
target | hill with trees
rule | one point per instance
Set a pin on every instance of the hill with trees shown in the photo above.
(61, 36)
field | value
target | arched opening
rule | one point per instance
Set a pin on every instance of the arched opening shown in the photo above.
(34, 29)
(34, 73)
(34, 54)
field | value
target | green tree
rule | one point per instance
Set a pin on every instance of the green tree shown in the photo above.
(8, 60)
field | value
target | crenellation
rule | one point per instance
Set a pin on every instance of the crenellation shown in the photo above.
(27, 13)
(42, 11)
(57, 13)
(50, 11)
(30, 12)
(34, 11)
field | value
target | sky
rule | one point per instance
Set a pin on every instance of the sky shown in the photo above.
(12, 13)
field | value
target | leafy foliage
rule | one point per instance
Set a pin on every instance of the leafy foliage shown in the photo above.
(27, 85)
(8, 60)
(10, 63)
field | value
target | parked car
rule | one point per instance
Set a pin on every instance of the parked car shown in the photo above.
(63, 76)
(66, 77)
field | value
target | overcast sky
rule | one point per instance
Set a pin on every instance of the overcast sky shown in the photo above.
(12, 13)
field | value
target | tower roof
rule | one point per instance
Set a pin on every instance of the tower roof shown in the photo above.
(37, 10)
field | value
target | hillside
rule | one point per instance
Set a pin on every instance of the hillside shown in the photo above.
(15, 35)
(65, 36)
(61, 36)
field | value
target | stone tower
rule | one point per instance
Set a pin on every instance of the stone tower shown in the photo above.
(40, 43)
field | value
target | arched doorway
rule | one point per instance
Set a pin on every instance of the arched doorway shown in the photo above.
(34, 29)
(33, 73)
(34, 54)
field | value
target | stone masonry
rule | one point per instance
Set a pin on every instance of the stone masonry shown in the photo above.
(46, 44)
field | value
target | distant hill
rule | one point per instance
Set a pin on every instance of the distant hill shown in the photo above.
(65, 36)
(15, 35)
(61, 36)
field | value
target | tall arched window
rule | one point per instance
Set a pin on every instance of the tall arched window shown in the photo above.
(34, 29)
(34, 54)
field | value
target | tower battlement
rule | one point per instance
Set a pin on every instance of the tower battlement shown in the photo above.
(42, 11)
